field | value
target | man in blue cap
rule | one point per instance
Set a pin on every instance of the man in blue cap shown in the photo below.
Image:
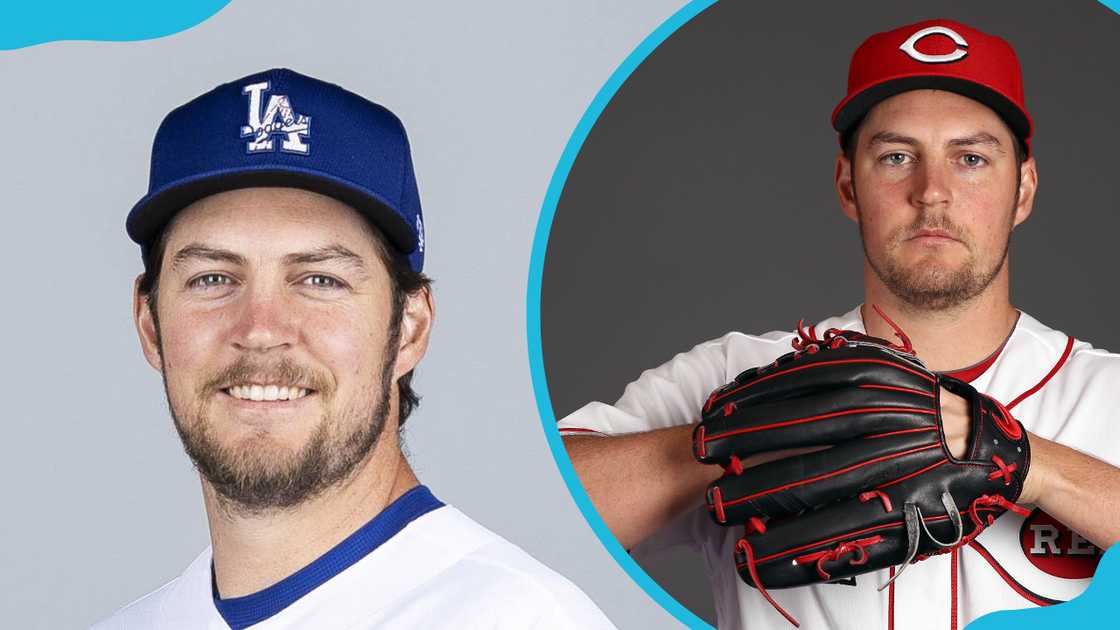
(283, 302)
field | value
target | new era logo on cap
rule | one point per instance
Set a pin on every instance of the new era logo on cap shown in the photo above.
(257, 132)
(940, 55)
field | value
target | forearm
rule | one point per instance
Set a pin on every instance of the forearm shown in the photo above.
(640, 482)
(1080, 491)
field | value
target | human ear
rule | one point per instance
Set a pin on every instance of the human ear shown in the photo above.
(1028, 185)
(846, 187)
(144, 320)
(416, 326)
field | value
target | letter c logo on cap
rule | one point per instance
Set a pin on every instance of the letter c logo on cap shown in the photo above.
(959, 52)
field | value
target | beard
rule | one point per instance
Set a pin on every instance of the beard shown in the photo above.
(257, 475)
(928, 285)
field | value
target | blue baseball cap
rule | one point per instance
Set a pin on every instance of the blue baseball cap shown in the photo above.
(282, 128)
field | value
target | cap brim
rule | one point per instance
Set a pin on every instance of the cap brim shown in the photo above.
(151, 214)
(852, 109)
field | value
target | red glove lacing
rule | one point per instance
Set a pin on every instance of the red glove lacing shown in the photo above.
(744, 547)
(853, 546)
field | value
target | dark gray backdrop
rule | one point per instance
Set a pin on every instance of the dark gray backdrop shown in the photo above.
(702, 201)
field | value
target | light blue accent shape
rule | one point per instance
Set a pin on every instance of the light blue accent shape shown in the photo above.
(536, 268)
(1094, 609)
(31, 22)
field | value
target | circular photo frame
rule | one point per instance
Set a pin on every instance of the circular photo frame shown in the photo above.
(697, 196)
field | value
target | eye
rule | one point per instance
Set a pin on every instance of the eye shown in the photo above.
(320, 281)
(972, 160)
(895, 159)
(208, 280)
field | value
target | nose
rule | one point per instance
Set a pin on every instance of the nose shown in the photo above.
(931, 185)
(264, 322)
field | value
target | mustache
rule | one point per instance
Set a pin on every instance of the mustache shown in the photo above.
(932, 223)
(284, 370)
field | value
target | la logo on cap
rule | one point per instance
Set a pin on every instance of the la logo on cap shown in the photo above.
(910, 46)
(278, 118)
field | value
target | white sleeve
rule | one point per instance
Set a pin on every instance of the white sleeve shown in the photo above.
(666, 396)
(1082, 413)
(686, 530)
(672, 394)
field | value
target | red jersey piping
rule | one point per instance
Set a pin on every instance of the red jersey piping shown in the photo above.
(1045, 379)
(1023, 591)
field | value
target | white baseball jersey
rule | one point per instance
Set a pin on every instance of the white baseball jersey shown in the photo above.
(1059, 388)
(418, 564)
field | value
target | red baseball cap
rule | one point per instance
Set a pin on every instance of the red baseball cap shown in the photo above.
(939, 55)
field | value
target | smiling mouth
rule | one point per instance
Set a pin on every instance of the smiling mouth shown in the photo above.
(267, 393)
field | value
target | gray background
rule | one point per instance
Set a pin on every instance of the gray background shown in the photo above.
(100, 505)
(702, 201)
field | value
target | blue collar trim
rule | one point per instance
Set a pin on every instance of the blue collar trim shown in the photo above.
(242, 612)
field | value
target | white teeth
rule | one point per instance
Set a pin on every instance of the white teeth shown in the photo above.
(266, 392)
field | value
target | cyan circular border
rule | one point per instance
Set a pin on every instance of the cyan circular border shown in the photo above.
(536, 270)
(1093, 608)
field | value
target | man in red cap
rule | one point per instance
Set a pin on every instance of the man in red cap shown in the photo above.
(936, 170)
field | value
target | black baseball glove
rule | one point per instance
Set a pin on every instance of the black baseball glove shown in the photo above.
(885, 492)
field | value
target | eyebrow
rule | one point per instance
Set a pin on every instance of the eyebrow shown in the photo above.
(978, 138)
(983, 137)
(327, 253)
(890, 137)
(197, 251)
